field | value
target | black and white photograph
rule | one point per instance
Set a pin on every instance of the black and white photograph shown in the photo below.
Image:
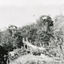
(31, 31)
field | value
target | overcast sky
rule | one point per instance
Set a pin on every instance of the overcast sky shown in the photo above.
(22, 12)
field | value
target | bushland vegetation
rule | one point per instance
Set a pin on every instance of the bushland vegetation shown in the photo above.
(46, 32)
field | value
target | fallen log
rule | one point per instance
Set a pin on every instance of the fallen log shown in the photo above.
(33, 46)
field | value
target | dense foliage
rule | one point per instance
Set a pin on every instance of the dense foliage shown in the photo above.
(44, 33)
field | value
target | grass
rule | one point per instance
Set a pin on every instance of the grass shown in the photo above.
(31, 59)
